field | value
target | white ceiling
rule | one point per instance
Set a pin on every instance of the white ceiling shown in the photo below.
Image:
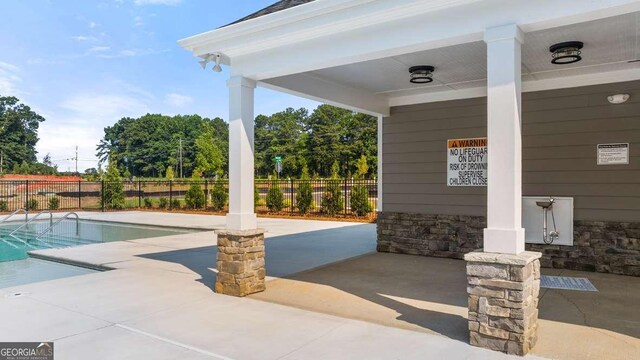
(610, 44)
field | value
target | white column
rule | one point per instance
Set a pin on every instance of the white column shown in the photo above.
(504, 232)
(241, 214)
(379, 205)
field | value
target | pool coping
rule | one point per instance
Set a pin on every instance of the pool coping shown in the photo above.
(65, 261)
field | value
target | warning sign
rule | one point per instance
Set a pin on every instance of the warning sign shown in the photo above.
(467, 162)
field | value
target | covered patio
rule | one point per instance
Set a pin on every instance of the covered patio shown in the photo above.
(574, 63)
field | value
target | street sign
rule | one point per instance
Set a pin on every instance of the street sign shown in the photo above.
(278, 159)
(279, 167)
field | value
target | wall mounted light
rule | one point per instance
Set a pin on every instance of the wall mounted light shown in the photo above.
(422, 74)
(618, 98)
(566, 52)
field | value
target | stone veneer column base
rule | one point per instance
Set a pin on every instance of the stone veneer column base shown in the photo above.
(240, 262)
(503, 300)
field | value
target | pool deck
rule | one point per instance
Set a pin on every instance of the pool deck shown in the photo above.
(157, 302)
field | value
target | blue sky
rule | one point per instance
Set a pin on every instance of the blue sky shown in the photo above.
(85, 64)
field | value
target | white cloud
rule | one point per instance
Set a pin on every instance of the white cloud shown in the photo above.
(157, 2)
(8, 79)
(99, 49)
(137, 21)
(91, 108)
(81, 120)
(131, 53)
(93, 25)
(84, 38)
(178, 100)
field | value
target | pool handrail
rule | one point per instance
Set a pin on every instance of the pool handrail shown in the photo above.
(36, 216)
(25, 211)
(66, 216)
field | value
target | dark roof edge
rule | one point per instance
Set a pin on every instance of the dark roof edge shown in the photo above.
(273, 8)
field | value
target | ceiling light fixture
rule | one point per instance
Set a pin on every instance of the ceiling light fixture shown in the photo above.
(421, 74)
(618, 98)
(566, 52)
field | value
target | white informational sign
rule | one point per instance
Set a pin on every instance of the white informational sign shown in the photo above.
(467, 162)
(613, 154)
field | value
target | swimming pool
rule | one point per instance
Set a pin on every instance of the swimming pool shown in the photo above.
(15, 242)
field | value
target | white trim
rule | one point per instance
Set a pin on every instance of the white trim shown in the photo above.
(380, 133)
(322, 90)
(527, 86)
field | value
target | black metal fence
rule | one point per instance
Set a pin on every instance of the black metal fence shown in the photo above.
(165, 194)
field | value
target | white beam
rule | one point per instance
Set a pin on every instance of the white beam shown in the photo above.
(319, 89)
(504, 232)
(561, 82)
(380, 132)
(241, 214)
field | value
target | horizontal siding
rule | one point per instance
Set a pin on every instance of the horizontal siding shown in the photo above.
(561, 129)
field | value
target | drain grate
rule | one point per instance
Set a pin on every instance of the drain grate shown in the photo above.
(566, 283)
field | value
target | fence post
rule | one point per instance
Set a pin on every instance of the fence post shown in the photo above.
(102, 195)
(139, 193)
(291, 193)
(79, 194)
(170, 193)
(206, 193)
(345, 196)
(26, 204)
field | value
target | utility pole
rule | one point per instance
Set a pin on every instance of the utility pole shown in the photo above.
(180, 154)
(76, 159)
(1, 161)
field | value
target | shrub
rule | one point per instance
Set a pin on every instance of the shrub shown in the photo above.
(163, 203)
(194, 198)
(286, 203)
(219, 195)
(54, 203)
(360, 200)
(4, 206)
(332, 201)
(275, 198)
(31, 204)
(148, 203)
(304, 194)
(257, 200)
(112, 195)
(175, 204)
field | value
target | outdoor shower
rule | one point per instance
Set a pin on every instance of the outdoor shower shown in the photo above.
(547, 206)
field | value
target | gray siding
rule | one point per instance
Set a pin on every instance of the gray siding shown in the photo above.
(561, 129)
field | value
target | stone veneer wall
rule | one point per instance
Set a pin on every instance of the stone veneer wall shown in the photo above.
(602, 246)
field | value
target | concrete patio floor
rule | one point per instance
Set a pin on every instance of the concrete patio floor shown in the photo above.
(429, 295)
(157, 303)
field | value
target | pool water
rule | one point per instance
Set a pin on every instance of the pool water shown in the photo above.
(69, 233)
(22, 272)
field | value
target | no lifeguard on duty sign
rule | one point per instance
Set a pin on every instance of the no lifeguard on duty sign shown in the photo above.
(467, 162)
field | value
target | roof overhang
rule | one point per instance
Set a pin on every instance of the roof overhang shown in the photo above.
(280, 48)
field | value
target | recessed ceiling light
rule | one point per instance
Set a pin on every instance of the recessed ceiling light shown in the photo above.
(566, 52)
(421, 74)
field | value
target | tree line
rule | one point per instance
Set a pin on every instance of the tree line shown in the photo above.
(326, 140)
(18, 138)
